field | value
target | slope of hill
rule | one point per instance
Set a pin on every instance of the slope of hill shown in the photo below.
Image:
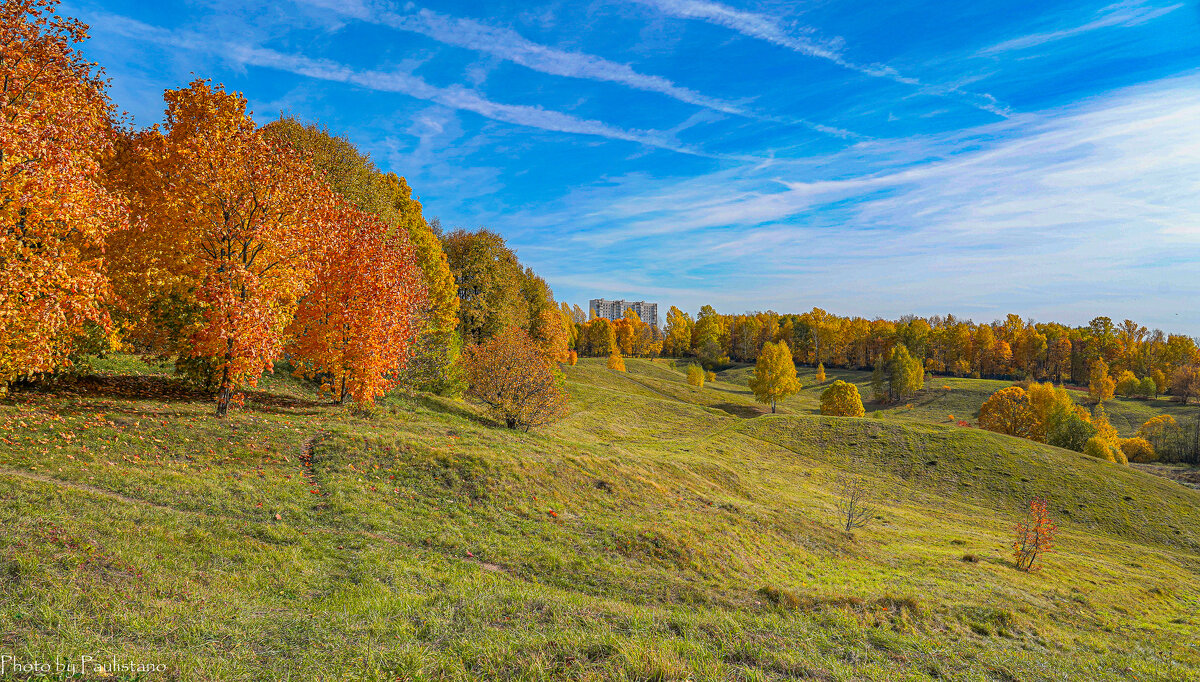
(660, 532)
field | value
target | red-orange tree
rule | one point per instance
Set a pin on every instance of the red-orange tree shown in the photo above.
(1034, 536)
(54, 127)
(231, 222)
(355, 326)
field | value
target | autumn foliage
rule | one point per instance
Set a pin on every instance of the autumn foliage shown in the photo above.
(841, 399)
(1008, 411)
(57, 214)
(1034, 536)
(354, 327)
(231, 224)
(774, 374)
(515, 380)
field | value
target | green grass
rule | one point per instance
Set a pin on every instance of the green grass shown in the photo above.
(660, 532)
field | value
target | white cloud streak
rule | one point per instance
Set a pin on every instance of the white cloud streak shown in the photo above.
(508, 45)
(455, 96)
(1120, 15)
(766, 28)
(1090, 208)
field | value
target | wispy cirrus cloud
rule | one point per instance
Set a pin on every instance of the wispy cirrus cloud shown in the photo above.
(454, 96)
(1120, 15)
(1068, 213)
(806, 41)
(506, 44)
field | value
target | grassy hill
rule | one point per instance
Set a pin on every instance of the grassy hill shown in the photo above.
(660, 532)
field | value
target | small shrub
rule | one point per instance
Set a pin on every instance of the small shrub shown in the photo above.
(1128, 384)
(820, 372)
(854, 503)
(710, 376)
(572, 358)
(1102, 448)
(695, 375)
(616, 362)
(1148, 388)
(511, 375)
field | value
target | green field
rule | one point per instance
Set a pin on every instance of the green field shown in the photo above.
(660, 532)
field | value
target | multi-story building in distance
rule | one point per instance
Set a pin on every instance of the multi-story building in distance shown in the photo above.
(615, 310)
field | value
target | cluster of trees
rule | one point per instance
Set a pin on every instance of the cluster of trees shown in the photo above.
(1009, 349)
(207, 239)
(1047, 414)
(598, 337)
(224, 246)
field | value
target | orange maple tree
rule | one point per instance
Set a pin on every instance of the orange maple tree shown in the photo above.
(229, 225)
(355, 326)
(54, 126)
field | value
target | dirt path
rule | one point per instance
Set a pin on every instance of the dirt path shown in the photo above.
(309, 471)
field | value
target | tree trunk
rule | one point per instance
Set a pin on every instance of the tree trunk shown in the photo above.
(223, 394)
(226, 390)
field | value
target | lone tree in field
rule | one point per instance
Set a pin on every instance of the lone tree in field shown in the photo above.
(775, 374)
(854, 503)
(695, 375)
(1034, 536)
(518, 383)
(841, 399)
(1008, 411)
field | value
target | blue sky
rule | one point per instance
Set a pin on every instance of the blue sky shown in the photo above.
(979, 158)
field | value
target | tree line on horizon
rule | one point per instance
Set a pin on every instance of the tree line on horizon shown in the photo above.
(1012, 348)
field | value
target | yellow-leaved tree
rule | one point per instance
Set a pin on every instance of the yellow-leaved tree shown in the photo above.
(1106, 444)
(1128, 384)
(616, 362)
(1008, 411)
(1100, 385)
(550, 335)
(1045, 400)
(774, 374)
(842, 399)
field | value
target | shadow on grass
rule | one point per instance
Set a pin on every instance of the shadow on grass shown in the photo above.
(743, 411)
(263, 399)
(454, 409)
(129, 387)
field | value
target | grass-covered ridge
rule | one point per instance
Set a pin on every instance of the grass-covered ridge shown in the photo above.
(659, 532)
